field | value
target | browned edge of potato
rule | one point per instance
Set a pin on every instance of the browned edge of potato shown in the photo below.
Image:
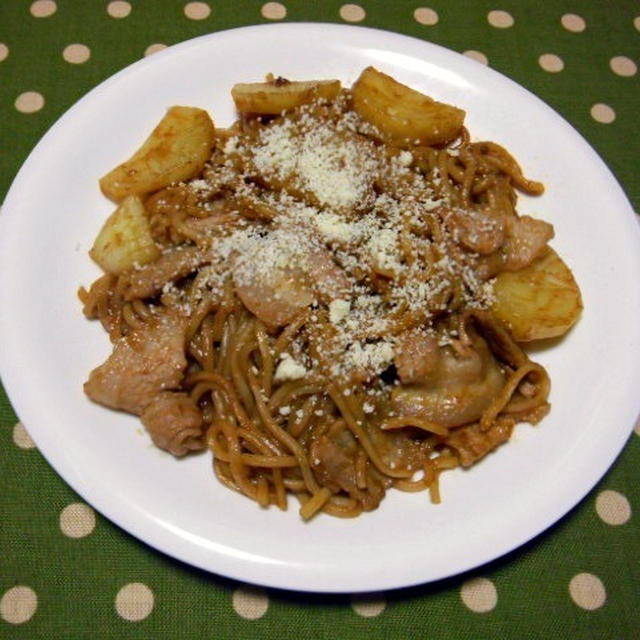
(540, 301)
(125, 240)
(177, 149)
(403, 115)
(279, 95)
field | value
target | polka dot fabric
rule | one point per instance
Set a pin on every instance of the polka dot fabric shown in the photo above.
(67, 572)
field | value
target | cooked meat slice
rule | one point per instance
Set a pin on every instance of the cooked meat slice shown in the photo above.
(276, 300)
(415, 356)
(526, 239)
(149, 279)
(203, 231)
(458, 390)
(478, 231)
(174, 423)
(471, 443)
(143, 363)
(276, 282)
(328, 280)
(334, 465)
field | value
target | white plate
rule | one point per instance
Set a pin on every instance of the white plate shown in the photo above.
(54, 210)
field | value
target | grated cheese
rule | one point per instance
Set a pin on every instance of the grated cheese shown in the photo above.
(289, 369)
(338, 310)
(325, 229)
(315, 160)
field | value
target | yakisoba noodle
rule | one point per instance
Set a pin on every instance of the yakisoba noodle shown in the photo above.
(319, 311)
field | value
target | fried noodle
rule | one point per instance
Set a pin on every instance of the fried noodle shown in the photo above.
(335, 346)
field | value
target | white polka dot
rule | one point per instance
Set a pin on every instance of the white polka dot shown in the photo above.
(4, 51)
(551, 62)
(18, 604)
(478, 56)
(636, 22)
(479, 595)
(368, 605)
(250, 603)
(587, 591)
(573, 22)
(77, 520)
(119, 9)
(76, 53)
(603, 113)
(612, 507)
(623, 66)
(134, 601)
(29, 102)
(154, 48)
(352, 13)
(500, 19)
(21, 438)
(636, 428)
(43, 8)
(273, 11)
(197, 10)
(426, 16)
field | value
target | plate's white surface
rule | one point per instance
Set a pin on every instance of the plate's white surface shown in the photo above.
(55, 209)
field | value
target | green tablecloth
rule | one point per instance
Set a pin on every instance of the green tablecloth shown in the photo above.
(66, 572)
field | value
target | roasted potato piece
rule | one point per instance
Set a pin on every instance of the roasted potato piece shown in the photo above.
(281, 95)
(541, 300)
(125, 239)
(404, 116)
(176, 150)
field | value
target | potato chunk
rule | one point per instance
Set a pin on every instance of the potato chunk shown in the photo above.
(539, 301)
(125, 239)
(177, 149)
(403, 115)
(281, 95)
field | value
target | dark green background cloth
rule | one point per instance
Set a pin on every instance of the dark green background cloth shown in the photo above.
(66, 572)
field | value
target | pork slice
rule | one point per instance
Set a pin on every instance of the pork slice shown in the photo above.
(415, 356)
(471, 443)
(457, 391)
(280, 280)
(174, 423)
(276, 301)
(478, 231)
(334, 466)
(149, 280)
(526, 239)
(143, 363)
